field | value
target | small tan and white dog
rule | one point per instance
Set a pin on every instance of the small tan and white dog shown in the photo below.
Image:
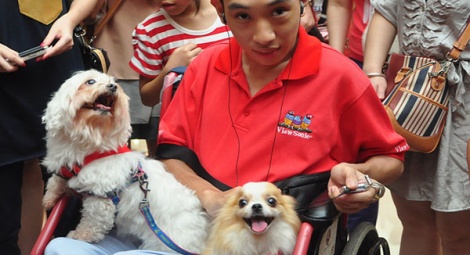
(88, 127)
(256, 220)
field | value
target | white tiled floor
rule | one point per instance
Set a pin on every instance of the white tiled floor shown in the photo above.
(388, 224)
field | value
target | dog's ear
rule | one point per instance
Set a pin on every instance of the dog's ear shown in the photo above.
(52, 117)
(59, 110)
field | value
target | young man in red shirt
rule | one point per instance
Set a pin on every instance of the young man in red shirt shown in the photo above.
(275, 103)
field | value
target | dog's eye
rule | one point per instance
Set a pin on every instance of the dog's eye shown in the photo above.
(272, 202)
(90, 82)
(242, 203)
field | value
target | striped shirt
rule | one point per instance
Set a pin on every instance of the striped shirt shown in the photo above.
(155, 39)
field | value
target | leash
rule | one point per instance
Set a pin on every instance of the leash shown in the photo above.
(145, 210)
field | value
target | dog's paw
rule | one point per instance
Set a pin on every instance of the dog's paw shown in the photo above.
(86, 235)
(49, 201)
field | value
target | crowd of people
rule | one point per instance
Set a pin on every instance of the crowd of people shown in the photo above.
(249, 64)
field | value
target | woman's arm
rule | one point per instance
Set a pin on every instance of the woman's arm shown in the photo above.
(339, 18)
(62, 29)
(379, 39)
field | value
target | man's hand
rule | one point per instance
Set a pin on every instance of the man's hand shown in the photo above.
(347, 175)
(214, 200)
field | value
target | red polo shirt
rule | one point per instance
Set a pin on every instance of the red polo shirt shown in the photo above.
(320, 111)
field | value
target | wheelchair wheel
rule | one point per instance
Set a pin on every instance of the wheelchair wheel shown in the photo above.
(365, 240)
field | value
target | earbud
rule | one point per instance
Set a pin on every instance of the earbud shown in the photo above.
(224, 20)
(302, 7)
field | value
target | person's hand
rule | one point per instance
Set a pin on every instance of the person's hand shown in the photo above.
(347, 175)
(214, 200)
(9, 60)
(307, 20)
(183, 55)
(62, 31)
(380, 85)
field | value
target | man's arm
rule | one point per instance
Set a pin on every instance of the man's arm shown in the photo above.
(212, 199)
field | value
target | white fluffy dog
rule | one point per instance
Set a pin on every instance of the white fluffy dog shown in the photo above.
(256, 220)
(88, 127)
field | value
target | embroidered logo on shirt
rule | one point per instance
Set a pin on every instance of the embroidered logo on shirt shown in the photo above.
(296, 125)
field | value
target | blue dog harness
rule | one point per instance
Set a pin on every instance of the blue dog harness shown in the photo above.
(145, 210)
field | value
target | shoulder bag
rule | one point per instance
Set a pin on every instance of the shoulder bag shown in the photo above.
(95, 58)
(417, 99)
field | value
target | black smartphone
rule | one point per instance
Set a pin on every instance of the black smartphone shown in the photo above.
(33, 52)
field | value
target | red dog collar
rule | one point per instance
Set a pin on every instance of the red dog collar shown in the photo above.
(67, 172)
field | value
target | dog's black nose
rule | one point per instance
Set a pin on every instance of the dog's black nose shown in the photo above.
(257, 208)
(112, 87)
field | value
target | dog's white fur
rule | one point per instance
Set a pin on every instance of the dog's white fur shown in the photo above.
(75, 131)
(230, 233)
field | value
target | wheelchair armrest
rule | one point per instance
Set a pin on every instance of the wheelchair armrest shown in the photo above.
(48, 230)
(321, 212)
(170, 84)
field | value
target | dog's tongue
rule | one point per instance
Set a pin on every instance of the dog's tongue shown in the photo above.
(102, 107)
(258, 225)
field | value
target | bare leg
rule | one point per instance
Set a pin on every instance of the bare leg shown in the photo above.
(32, 212)
(453, 228)
(420, 236)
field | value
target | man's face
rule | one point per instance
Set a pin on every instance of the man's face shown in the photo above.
(265, 29)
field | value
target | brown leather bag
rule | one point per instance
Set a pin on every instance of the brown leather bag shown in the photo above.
(417, 96)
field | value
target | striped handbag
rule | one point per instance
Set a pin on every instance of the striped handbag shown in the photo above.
(417, 96)
(417, 104)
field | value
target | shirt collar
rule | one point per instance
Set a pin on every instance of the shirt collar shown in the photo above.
(305, 60)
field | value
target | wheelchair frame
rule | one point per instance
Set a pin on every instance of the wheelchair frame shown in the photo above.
(323, 230)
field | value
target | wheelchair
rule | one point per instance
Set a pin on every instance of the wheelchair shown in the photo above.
(323, 230)
(330, 236)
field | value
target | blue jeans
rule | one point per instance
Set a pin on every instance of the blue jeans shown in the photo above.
(368, 214)
(111, 245)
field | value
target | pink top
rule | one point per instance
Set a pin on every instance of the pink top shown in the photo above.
(361, 16)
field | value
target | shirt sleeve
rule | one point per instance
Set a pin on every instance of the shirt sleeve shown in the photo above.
(366, 127)
(388, 9)
(147, 59)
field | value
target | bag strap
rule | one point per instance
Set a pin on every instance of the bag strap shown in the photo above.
(110, 13)
(461, 43)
